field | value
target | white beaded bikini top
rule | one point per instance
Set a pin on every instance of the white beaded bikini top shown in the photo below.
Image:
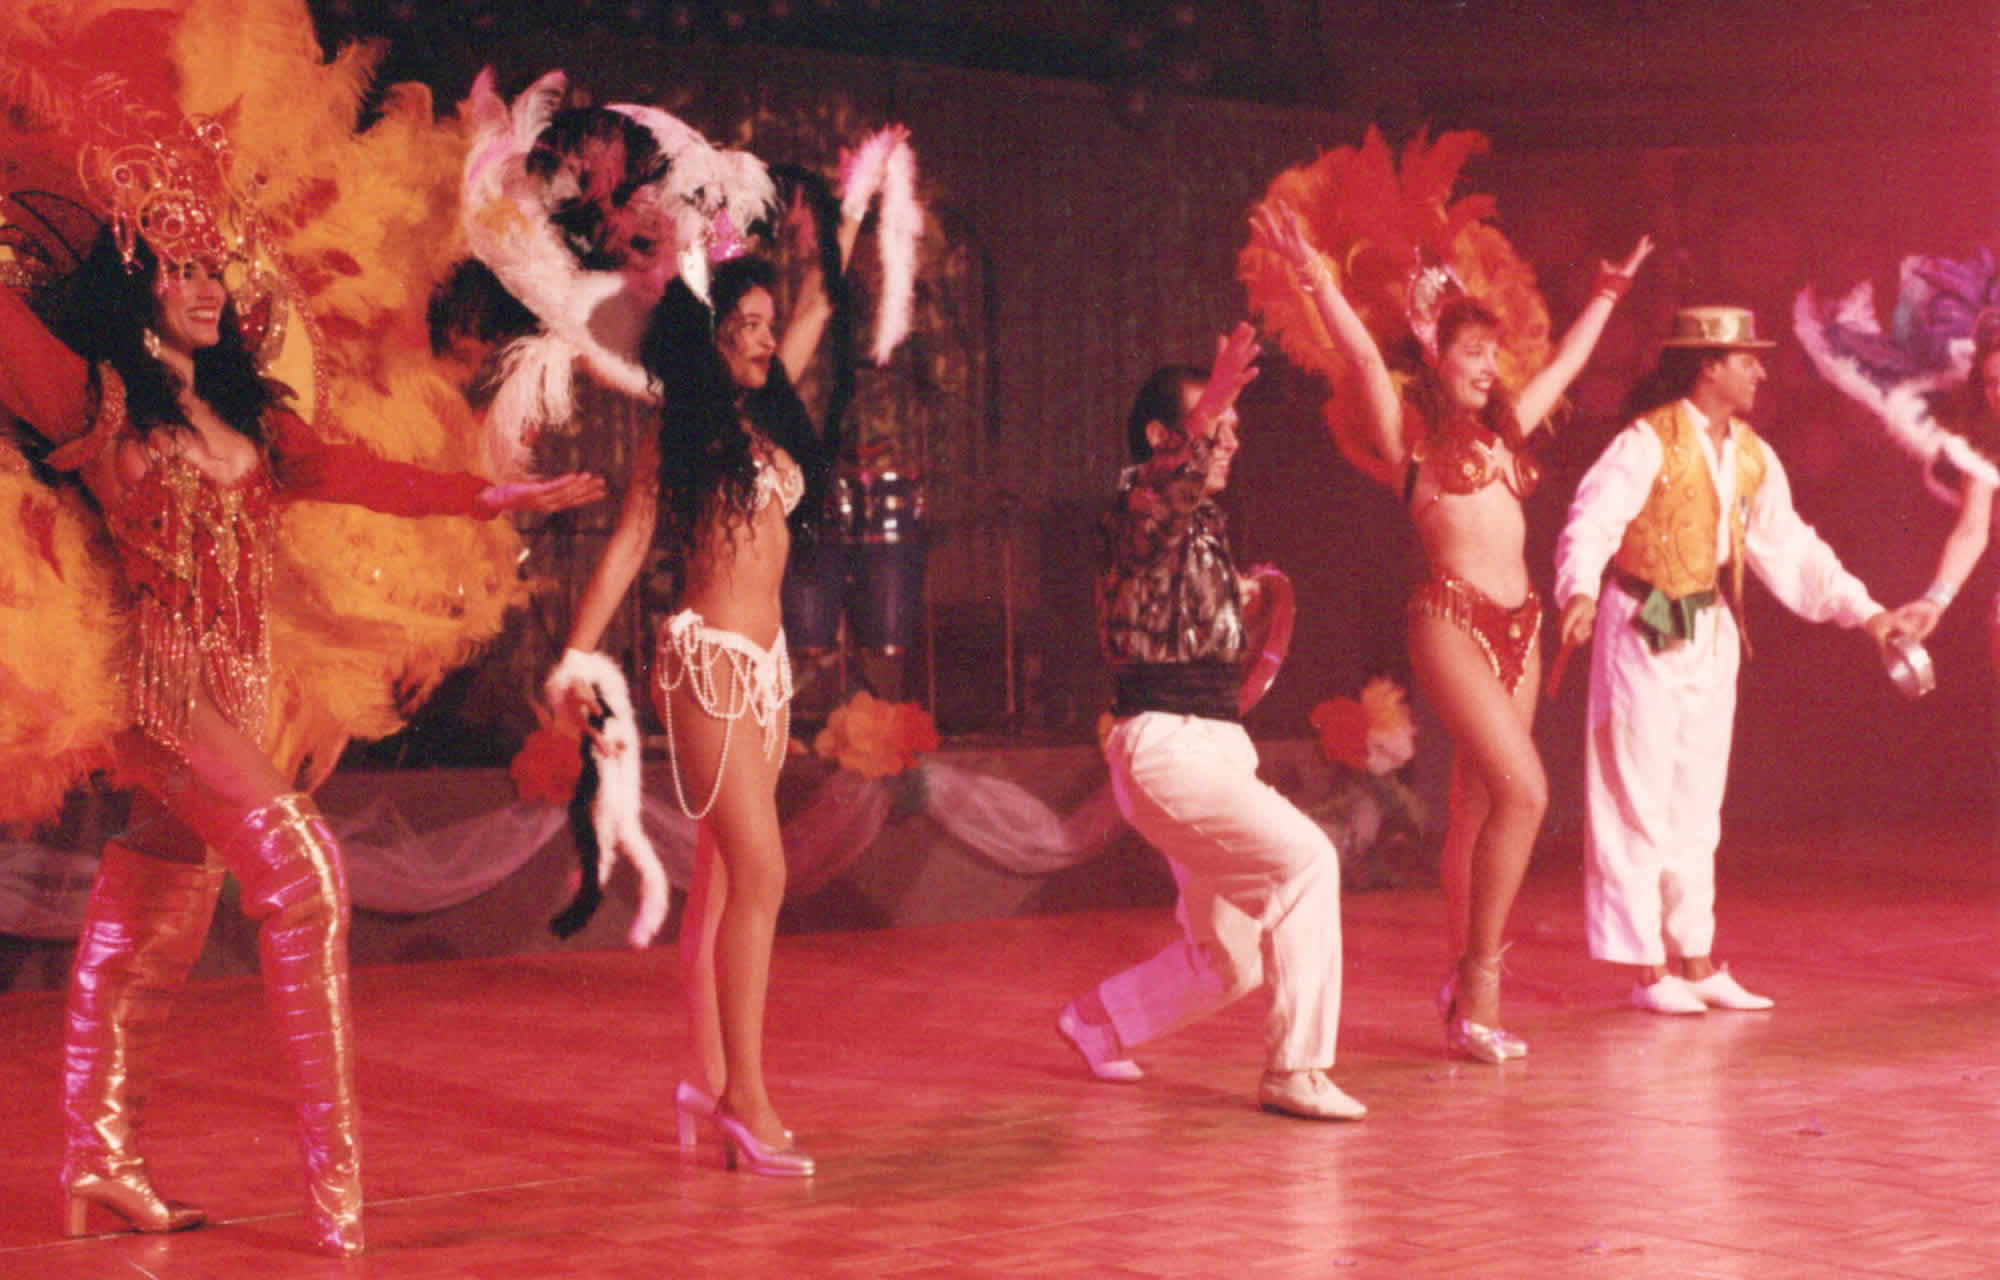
(778, 478)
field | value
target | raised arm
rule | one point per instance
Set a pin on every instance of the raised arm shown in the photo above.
(1542, 391)
(1278, 224)
(42, 382)
(812, 308)
(1962, 548)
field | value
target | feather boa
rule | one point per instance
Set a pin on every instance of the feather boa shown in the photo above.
(1375, 216)
(614, 829)
(886, 166)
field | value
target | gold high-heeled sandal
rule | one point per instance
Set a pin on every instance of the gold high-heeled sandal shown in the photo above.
(741, 1145)
(1475, 1040)
(1511, 1045)
(145, 926)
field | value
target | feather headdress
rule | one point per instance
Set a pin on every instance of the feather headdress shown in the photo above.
(1398, 243)
(1927, 347)
(360, 225)
(706, 195)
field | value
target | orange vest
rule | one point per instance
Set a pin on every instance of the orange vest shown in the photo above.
(1671, 543)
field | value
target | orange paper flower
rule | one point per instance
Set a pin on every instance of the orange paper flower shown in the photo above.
(874, 738)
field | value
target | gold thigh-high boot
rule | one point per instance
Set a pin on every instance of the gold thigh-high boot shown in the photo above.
(143, 931)
(293, 883)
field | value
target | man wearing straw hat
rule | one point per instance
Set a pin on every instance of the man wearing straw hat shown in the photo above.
(1651, 560)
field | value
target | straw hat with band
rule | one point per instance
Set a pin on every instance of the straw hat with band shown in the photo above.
(1727, 328)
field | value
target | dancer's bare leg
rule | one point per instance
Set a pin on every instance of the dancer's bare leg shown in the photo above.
(1489, 729)
(1467, 805)
(701, 914)
(225, 775)
(749, 853)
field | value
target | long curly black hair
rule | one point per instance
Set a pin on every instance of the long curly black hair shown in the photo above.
(102, 312)
(707, 470)
(1961, 407)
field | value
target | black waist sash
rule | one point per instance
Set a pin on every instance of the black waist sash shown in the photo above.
(1207, 689)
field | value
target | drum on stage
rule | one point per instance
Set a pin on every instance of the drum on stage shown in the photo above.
(867, 566)
(814, 593)
(886, 603)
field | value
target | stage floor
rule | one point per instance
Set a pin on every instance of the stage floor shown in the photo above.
(518, 1118)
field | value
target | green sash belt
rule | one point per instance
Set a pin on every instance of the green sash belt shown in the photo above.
(1664, 620)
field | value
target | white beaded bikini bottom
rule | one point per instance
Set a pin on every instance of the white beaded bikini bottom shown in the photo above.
(729, 677)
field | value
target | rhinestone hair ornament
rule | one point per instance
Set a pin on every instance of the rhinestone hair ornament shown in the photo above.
(165, 180)
(1430, 287)
(724, 240)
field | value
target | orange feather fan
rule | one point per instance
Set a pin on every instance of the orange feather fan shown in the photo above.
(1375, 217)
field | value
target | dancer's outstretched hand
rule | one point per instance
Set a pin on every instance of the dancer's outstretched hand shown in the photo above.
(1884, 627)
(1279, 226)
(1919, 618)
(862, 169)
(1235, 368)
(560, 494)
(1630, 267)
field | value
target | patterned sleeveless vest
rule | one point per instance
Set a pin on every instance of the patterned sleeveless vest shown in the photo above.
(1671, 543)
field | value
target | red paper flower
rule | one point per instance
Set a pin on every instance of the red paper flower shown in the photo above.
(1343, 732)
(545, 770)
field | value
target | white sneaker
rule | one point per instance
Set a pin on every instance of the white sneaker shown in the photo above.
(1721, 991)
(1671, 994)
(1308, 1095)
(1098, 1047)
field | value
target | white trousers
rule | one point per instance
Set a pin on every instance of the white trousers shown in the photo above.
(1259, 890)
(1655, 766)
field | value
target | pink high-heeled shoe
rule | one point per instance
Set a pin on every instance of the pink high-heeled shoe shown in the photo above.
(741, 1145)
(692, 1106)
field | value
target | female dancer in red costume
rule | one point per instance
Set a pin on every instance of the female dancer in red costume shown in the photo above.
(1474, 625)
(153, 400)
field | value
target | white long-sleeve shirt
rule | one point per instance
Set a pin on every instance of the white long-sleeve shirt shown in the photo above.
(1783, 550)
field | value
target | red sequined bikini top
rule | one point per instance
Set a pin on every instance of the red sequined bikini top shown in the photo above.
(1467, 456)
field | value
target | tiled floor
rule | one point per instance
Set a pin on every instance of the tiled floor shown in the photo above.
(518, 1126)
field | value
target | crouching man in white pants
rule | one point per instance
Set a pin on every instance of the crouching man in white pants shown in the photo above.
(1259, 881)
